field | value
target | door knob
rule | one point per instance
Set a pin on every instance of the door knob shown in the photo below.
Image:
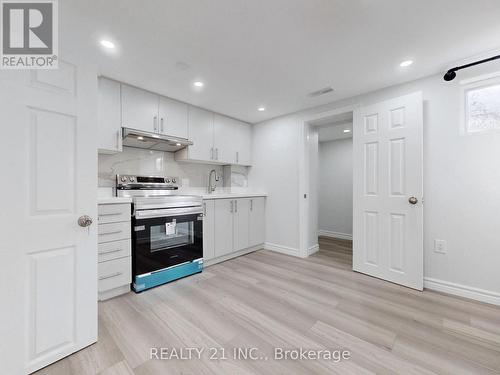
(413, 200)
(84, 221)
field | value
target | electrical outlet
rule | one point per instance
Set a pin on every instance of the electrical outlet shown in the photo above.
(440, 246)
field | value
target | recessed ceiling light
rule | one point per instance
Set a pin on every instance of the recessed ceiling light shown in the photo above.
(347, 130)
(107, 44)
(406, 63)
(178, 144)
(261, 109)
(140, 138)
(198, 84)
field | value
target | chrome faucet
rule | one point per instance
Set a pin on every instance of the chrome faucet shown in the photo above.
(211, 187)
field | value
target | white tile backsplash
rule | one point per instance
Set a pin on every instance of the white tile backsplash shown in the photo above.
(153, 163)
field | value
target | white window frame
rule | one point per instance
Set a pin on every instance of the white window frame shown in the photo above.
(474, 84)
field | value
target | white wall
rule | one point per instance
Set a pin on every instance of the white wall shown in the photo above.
(335, 187)
(461, 181)
(275, 160)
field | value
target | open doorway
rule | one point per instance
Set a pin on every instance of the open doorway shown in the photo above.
(387, 183)
(331, 190)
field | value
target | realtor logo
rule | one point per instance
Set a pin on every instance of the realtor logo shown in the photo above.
(29, 34)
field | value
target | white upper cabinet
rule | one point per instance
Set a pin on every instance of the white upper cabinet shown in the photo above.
(243, 143)
(201, 133)
(139, 109)
(173, 117)
(109, 116)
(224, 143)
(217, 139)
(232, 140)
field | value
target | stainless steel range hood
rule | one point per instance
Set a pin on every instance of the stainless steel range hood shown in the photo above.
(153, 141)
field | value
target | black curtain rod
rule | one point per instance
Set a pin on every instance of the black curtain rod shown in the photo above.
(451, 74)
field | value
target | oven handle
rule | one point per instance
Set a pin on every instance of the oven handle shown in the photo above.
(167, 212)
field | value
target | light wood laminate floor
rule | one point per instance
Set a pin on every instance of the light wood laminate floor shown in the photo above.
(269, 300)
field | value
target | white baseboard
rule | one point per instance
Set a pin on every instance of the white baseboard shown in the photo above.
(462, 291)
(211, 262)
(313, 249)
(328, 233)
(282, 249)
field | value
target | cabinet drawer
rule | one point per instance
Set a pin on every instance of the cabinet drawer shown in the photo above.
(114, 273)
(114, 250)
(113, 232)
(112, 213)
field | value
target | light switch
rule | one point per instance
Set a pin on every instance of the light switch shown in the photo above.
(440, 246)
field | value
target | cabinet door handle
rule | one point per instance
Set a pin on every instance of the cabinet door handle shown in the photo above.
(161, 124)
(235, 206)
(110, 276)
(211, 153)
(237, 157)
(216, 154)
(108, 233)
(232, 207)
(118, 136)
(204, 209)
(251, 204)
(155, 124)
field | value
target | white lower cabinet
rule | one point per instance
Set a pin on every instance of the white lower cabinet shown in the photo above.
(231, 226)
(208, 229)
(240, 223)
(114, 250)
(256, 221)
(223, 226)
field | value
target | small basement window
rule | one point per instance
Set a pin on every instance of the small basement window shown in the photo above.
(482, 106)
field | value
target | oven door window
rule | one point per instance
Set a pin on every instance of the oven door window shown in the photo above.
(163, 242)
(171, 235)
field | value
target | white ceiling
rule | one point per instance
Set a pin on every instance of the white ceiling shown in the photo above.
(274, 52)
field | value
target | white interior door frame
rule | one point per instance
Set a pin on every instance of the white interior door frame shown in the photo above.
(304, 171)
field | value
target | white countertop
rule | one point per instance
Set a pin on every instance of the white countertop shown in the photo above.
(113, 200)
(232, 195)
(105, 195)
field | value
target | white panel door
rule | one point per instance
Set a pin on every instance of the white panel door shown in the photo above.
(109, 116)
(388, 222)
(223, 232)
(208, 229)
(48, 262)
(139, 109)
(173, 118)
(201, 133)
(257, 221)
(241, 225)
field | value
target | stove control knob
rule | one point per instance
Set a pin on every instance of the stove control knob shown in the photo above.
(123, 179)
(174, 180)
(167, 180)
(131, 179)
